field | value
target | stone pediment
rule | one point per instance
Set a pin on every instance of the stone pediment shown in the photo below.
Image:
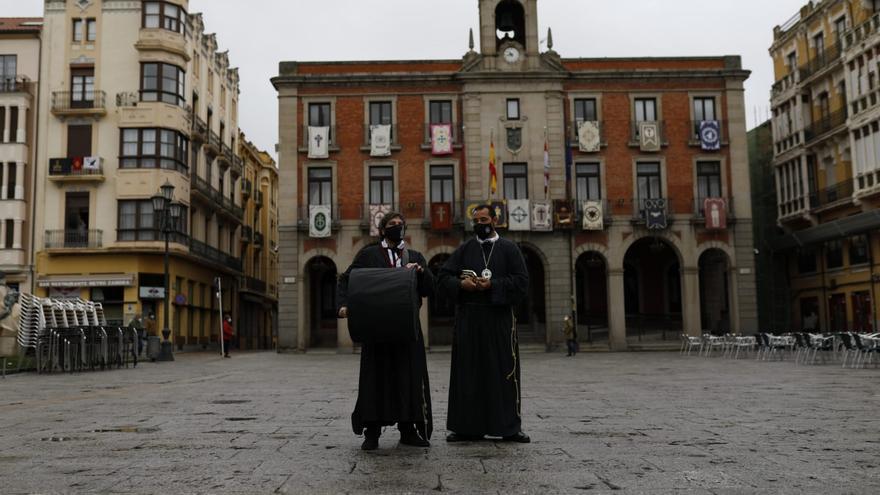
(475, 63)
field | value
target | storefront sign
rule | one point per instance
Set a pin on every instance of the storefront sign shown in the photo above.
(152, 293)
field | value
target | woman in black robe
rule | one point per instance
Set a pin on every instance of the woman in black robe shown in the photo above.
(484, 383)
(393, 386)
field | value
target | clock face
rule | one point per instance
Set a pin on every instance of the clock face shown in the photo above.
(511, 54)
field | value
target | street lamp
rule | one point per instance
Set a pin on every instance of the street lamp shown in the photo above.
(169, 212)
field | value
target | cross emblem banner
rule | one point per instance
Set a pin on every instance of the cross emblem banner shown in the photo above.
(319, 140)
(519, 215)
(542, 215)
(441, 216)
(710, 135)
(319, 221)
(649, 136)
(441, 139)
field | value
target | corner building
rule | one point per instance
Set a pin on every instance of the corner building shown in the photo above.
(826, 161)
(641, 268)
(135, 95)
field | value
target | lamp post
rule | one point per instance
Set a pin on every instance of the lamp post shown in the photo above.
(169, 212)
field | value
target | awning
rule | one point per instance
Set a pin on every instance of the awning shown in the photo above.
(838, 229)
(121, 280)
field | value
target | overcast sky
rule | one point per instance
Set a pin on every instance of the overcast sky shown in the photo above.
(260, 33)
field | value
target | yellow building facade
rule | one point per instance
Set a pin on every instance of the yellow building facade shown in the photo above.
(136, 96)
(258, 303)
(826, 145)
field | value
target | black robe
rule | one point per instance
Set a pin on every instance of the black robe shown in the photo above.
(484, 383)
(393, 386)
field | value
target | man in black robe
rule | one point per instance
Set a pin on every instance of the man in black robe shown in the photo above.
(393, 386)
(484, 383)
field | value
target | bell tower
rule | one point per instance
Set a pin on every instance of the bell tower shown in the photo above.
(503, 22)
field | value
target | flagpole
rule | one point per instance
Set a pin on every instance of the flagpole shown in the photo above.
(220, 305)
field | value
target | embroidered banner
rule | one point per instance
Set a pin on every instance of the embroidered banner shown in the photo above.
(92, 163)
(592, 219)
(655, 214)
(710, 135)
(519, 215)
(441, 216)
(500, 213)
(76, 164)
(715, 211)
(319, 142)
(319, 221)
(441, 139)
(542, 216)
(59, 166)
(589, 139)
(380, 140)
(649, 136)
(377, 213)
(563, 218)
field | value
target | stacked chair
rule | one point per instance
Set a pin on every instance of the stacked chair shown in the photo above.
(73, 335)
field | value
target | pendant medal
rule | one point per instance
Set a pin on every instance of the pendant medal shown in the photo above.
(487, 274)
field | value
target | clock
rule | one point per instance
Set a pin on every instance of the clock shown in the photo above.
(511, 55)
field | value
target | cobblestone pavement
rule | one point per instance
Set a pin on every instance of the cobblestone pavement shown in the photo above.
(600, 423)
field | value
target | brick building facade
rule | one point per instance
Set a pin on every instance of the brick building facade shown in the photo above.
(639, 143)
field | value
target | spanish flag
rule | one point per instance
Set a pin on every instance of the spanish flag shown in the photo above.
(493, 175)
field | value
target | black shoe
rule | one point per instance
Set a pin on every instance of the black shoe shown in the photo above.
(456, 437)
(518, 437)
(413, 440)
(370, 443)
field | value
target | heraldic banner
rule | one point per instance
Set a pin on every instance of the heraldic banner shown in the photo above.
(441, 139)
(500, 207)
(710, 135)
(319, 221)
(441, 216)
(592, 216)
(589, 138)
(649, 136)
(519, 215)
(655, 214)
(716, 213)
(380, 140)
(563, 217)
(92, 163)
(542, 216)
(319, 138)
(377, 213)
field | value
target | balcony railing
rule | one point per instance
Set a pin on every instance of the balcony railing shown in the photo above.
(199, 129)
(838, 192)
(74, 239)
(254, 284)
(861, 32)
(214, 142)
(634, 134)
(640, 212)
(787, 82)
(258, 199)
(335, 217)
(79, 102)
(237, 166)
(18, 84)
(258, 239)
(825, 124)
(84, 167)
(457, 134)
(368, 137)
(202, 187)
(213, 254)
(579, 209)
(700, 203)
(820, 61)
(574, 138)
(247, 234)
(694, 126)
(246, 186)
(227, 152)
(305, 138)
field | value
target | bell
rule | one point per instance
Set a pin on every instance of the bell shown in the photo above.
(505, 21)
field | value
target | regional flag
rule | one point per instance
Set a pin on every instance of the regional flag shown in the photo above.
(493, 176)
(546, 169)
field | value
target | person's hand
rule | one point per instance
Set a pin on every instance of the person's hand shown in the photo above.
(469, 284)
(414, 266)
(343, 312)
(484, 284)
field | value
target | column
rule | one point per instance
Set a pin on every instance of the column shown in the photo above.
(2, 233)
(690, 288)
(16, 235)
(616, 311)
(5, 126)
(22, 124)
(5, 166)
(19, 181)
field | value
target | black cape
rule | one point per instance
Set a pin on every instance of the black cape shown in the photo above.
(484, 383)
(393, 386)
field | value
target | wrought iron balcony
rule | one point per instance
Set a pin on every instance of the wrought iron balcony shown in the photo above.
(19, 84)
(254, 284)
(635, 136)
(246, 187)
(258, 239)
(76, 169)
(822, 60)
(247, 234)
(258, 199)
(74, 239)
(838, 192)
(574, 138)
(457, 134)
(825, 124)
(79, 102)
(394, 136)
(215, 255)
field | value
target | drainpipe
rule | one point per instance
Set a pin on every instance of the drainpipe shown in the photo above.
(871, 280)
(36, 131)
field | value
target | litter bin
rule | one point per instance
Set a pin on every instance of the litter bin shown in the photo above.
(153, 347)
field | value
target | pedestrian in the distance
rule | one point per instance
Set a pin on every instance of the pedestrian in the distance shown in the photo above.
(570, 335)
(227, 334)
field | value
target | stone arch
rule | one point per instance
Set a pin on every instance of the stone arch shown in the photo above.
(721, 246)
(592, 301)
(533, 313)
(715, 290)
(668, 237)
(652, 314)
(318, 289)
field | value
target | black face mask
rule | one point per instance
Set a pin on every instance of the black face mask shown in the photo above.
(394, 234)
(484, 230)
